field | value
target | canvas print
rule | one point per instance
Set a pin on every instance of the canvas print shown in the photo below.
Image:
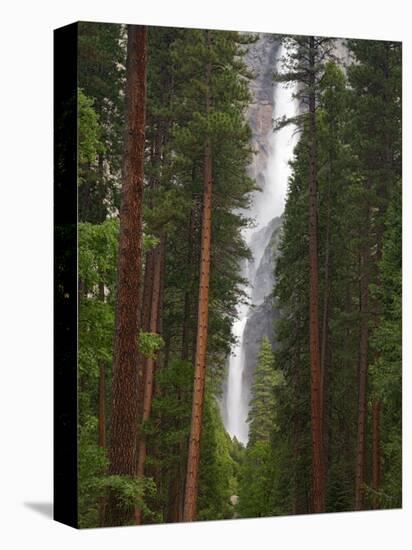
(239, 274)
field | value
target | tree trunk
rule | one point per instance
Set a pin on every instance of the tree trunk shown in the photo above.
(146, 300)
(102, 389)
(174, 509)
(102, 405)
(176, 486)
(122, 451)
(102, 414)
(324, 350)
(316, 420)
(363, 367)
(147, 291)
(325, 314)
(376, 452)
(159, 469)
(186, 318)
(299, 505)
(102, 430)
(150, 368)
(192, 477)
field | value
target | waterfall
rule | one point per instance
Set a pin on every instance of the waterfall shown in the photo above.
(267, 205)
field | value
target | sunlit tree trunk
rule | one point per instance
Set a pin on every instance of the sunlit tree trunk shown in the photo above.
(192, 476)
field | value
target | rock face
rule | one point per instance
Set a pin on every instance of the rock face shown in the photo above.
(261, 59)
(267, 239)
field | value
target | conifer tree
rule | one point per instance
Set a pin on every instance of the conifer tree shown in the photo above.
(125, 380)
(375, 79)
(265, 379)
(305, 64)
(257, 484)
(218, 118)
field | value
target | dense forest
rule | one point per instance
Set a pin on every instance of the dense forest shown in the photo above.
(165, 195)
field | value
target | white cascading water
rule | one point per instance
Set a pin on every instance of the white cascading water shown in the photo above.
(267, 204)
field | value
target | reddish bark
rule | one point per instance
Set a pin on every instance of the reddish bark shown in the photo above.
(146, 300)
(186, 317)
(124, 423)
(102, 429)
(177, 484)
(102, 390)
(102, 413)
(192, 476)
(201, 346)
(150, 367)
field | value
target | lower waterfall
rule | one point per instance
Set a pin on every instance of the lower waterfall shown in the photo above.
(268, 204)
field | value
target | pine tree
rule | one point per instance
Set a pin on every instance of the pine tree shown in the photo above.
(173, 204)
(256, 486)
(376, 103)
(262, 402)
(304, 65)
(224, 133)
(125, 380)
(189, 512)
(386, 371)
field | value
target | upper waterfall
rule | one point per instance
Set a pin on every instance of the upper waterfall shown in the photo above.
(271, 171)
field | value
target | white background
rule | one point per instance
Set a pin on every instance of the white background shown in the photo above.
(26, 272)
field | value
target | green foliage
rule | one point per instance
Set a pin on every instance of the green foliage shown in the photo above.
(101, 73)
(217, 466)
(358, 137)
(266, 379)
(256, 487)
(96, 324)
(377, 95)
(88, 131)
(98, 253)
(386, 371)
(189, 124)
(220, 457)
(94, 483)
(132, 491)
(257, 475)
(92, 464)
(150, 343)
(97, 257)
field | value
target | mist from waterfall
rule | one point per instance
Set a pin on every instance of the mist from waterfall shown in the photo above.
(267, 204)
